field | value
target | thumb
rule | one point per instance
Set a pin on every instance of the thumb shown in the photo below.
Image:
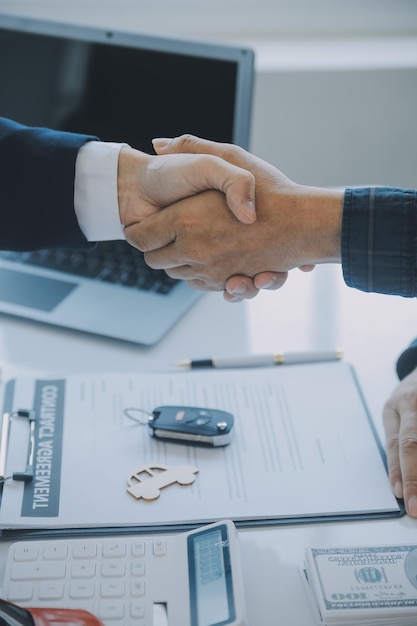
(237, 183)
(188, 143)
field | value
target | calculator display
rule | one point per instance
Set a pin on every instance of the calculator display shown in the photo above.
(210, 575)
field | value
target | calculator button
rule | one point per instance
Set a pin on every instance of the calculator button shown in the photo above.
(137, 588)
(112, 589)
(26, 552)
(117, 549)
(83, 569)
(113, 568)
(138, 568)
(38, 570)
(84, 551)
(51, 590)
(55, 552)
(138, 548)
(111, 610)
(159, 548)
(137, 608)
(20, 592)
(82, 590)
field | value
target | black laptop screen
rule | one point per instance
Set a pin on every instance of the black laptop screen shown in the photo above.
(117, 92)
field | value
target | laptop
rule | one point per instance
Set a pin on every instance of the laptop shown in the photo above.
(121, 87)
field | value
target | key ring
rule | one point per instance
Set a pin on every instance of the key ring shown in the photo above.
(130, 413)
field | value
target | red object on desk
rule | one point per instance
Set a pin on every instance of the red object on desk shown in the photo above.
(31, 616)
(71, 617)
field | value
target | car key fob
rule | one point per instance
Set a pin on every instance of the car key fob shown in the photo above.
(191, 424)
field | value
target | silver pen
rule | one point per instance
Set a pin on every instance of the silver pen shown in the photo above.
(265, 360)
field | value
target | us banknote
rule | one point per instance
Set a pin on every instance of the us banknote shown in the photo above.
(367, 584)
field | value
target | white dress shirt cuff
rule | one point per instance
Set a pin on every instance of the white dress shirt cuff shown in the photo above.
(95, 191)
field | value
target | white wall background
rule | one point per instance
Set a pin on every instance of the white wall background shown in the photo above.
(225, 19)
(336, 88)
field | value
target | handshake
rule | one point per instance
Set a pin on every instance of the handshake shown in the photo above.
(240, 226)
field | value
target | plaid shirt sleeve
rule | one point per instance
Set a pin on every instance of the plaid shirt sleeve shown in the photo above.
(379, 240)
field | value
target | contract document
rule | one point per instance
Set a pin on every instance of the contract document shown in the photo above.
(303, 449)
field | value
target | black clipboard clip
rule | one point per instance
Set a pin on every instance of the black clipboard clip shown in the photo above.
(27, 475)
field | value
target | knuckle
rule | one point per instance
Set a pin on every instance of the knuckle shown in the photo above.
(245, 177)
(232, 153)
(186, 141)
(150, 260)
(409, 485)
(395, 475)
(140, 243)
(392, 443)
(408, 443)
(134, 239)
(394, 470)
(174, 273)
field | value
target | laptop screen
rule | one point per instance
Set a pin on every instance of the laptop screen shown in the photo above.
(121, 86)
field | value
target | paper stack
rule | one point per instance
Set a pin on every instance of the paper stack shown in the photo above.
(363, 585)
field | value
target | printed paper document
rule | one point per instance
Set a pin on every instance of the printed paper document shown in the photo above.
(303, 447)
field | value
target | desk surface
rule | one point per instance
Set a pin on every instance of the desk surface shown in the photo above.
(313, 311)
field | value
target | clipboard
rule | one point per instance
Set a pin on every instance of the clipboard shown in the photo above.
(293, 435)
(27, 474)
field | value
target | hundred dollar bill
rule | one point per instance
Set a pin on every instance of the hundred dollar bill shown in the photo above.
(364, 579)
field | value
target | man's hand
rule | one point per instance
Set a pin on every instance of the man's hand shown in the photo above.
(400, 424)
(148, 183)
(200, 242)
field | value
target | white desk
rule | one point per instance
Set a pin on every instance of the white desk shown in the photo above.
(312, 311)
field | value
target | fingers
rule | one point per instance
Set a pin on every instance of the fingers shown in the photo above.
(400, 424)
(191, 144)
(240, 288)
(226, 151)
(153, 233)
(206, 170)
(391, 419)
(270, 280)
(408, 460)
(237, 184)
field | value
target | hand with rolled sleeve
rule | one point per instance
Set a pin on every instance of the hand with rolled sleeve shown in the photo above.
(371, 231)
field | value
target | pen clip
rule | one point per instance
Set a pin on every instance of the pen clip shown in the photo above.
(27, 475)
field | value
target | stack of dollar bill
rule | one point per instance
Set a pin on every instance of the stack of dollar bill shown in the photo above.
(363, 585)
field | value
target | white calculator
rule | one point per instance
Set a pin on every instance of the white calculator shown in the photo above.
(189, 579)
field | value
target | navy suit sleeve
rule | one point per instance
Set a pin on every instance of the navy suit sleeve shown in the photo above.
(37, 169)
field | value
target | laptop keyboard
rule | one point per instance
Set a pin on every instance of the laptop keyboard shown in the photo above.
(114, 262)
(104, 576)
